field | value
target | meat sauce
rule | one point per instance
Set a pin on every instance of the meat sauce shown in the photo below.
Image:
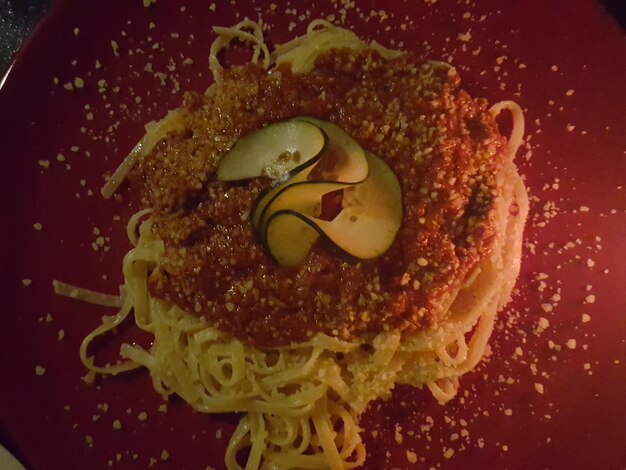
(442, 144)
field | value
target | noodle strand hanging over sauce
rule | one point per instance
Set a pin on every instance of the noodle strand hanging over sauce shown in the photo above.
(302, 350)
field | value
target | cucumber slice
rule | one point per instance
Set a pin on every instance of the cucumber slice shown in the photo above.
(264, 199)
(365, 228)
(371, 216)
(342, 162)
(289, 237)
(313, 158)
(303, 197)
(274, 151)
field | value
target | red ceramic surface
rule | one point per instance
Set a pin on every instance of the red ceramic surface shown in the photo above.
(564, 62)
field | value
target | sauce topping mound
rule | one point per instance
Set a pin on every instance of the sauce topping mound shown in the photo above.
(442, 145)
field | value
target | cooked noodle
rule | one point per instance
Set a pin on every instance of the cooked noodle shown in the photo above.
(302, 403)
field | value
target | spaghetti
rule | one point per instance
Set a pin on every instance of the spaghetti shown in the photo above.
(302, 400)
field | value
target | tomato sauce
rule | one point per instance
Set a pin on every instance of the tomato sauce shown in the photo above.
(443, 146)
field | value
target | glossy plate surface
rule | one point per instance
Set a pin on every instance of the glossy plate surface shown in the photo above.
(564, 62)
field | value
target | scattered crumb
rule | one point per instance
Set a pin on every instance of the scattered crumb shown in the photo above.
(543, 323)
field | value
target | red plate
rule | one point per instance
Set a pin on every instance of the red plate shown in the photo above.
(564, 62)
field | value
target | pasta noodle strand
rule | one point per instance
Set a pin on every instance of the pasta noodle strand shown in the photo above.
(301, 403)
